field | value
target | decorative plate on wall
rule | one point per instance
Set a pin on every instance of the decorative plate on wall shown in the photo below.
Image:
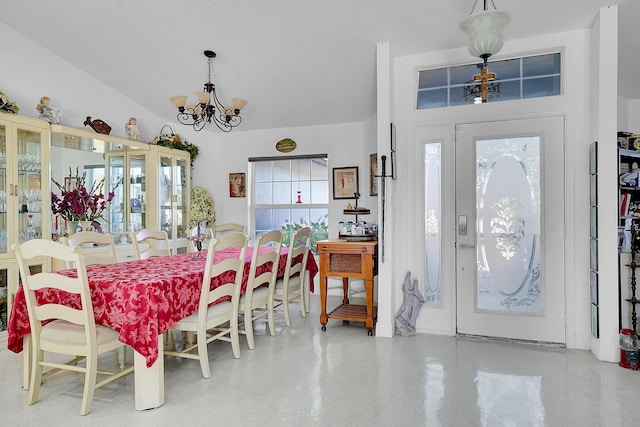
(286, 145)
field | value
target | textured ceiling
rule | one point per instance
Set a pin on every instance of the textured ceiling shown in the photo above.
(297, 62)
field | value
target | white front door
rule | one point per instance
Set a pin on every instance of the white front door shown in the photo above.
(510, 229)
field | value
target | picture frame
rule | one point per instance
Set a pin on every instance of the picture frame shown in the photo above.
(70, 183)
(373, 173)
(345, 182)
(237, 185)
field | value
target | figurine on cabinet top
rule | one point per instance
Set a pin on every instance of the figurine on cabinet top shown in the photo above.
(48, 112)
(98, 125)
(133, 131)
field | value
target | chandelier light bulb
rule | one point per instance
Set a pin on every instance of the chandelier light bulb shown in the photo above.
(179, 101)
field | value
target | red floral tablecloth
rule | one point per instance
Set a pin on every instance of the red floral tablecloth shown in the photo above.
(139, 299)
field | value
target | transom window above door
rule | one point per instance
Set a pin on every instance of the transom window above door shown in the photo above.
(518, 78)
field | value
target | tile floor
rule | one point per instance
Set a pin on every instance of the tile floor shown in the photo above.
(342, 377)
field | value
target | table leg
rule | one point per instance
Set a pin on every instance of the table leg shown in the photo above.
(368, 285)
(307, 291)
(323, 302)
(345, 290)
(149, 382)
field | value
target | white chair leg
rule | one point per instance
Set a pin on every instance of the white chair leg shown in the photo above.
(271, 317)
(122, 356)
(36, 376)
(301, 296)
(89, 384)
(203, 354)
(285, 308)
(235, 341)
(248, 329)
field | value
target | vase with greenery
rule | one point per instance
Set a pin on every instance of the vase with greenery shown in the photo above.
(201, 213)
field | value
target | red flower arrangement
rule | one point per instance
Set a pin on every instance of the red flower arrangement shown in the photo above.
(80, 204)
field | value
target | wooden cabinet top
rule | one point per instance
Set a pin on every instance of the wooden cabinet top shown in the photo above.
(343, 246)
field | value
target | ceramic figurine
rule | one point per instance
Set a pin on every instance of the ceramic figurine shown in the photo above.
(98, 125)
(133, 131)
(48, 112)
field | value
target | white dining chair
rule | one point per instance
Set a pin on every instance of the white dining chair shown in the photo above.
(223, 229)
(290, 288)
(73, 331)
(90, 239)
(217, 321)
(157, 241)
(257, 300)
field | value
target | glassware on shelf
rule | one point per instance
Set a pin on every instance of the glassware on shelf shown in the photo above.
(31, 232)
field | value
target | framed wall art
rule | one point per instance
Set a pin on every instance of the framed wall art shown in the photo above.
(237, 185)
(373, 172)
(345, 182)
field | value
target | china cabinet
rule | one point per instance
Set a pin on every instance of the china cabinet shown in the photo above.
(151, 184)
(24, 196)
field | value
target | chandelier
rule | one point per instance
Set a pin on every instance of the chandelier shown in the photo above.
(209, 109)
(485, 39)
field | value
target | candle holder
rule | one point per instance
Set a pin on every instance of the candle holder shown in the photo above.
(197, 240)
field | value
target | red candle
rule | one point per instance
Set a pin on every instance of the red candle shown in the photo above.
(56, 223)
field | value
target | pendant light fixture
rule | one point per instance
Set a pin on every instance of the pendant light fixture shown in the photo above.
(485, 31)
(485, 39)
(209, 109)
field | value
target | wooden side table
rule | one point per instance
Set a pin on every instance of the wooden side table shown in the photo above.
(348, 260)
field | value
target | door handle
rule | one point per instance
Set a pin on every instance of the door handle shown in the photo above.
(466, 246)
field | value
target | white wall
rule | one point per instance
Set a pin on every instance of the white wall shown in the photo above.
(223, 154)
(29, 71)
(633, 116)
(604, 126)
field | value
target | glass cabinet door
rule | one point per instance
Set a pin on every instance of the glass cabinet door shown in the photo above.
(24, 186)
(137, 192)
(167, 220)
(126, 177)
(182, 194)
(174, 196)
(115, 183)
(29, 152)
(5, 304)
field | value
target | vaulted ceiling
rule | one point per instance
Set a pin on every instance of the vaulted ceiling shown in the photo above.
(297, 62)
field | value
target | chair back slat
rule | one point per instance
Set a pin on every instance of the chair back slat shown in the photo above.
(90, 239)
(158, 242)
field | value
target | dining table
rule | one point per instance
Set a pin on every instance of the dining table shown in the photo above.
(141, 300)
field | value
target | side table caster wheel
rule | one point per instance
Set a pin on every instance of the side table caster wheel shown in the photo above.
(324, 328)
(370, 332)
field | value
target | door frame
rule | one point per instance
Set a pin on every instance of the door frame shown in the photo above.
(442, 319)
